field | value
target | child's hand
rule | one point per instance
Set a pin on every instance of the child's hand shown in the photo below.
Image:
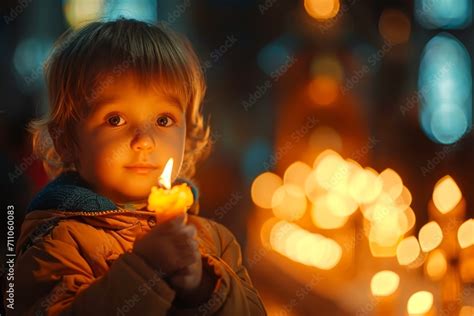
(193, 285)
(189, 278)
(169, 246)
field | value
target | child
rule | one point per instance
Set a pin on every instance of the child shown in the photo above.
(125, 97)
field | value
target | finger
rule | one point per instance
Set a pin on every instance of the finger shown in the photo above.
(172, 224)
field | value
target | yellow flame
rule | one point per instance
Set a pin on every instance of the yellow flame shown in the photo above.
(384, 283)
(420, 303)
(165, 177)
(446, 194)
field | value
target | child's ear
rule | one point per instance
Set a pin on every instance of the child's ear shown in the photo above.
(67, 153)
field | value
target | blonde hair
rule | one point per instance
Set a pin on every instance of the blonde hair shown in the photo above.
(86, 60)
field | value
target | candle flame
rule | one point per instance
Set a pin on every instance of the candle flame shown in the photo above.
(165, 177)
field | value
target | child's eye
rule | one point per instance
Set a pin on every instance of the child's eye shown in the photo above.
(165, 121)
(115, 120)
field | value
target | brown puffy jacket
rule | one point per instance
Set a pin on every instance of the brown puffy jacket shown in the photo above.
(81, 263)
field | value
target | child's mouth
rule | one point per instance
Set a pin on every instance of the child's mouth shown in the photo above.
(141, 168)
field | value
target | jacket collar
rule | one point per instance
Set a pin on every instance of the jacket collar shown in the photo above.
(70, 193)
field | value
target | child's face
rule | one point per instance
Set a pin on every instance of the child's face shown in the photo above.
(129, 126)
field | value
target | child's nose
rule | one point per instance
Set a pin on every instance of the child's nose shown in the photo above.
(143, 141)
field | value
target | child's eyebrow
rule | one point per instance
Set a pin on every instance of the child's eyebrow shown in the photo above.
(100, 102)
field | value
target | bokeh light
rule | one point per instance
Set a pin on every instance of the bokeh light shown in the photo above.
(297, 173)
(430, 236)
(305, 247)
(323, 217)
(289, 202)
(445, 85)
(79, 12)
(466, 234)
(436, 265)
(446, 194)
(384, 283)
(408, 251)
(143, 10)
(394, 26)
(420, 303)
(446, 14)
(322, 9)
(263, 188)
(323, 90)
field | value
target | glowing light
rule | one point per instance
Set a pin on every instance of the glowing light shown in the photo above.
(446, 194)
(165, 177)
(365, 185)
(466, 234)
(323, 90)
(28, 59)
(305, 247)
(430, 236)
(322, 9)
(78, 12)
(143, 10)
(289, 202)
(410, 219)
(436, 265)
(405, 199)
(446, 14)
(311, 187)
(420, 303)
(445, 85)
(408, 251)
(340, 205)
(392, 183)
(394, 26)
(331, 170)
(297, 173)
(384, 283)
(386, 230)
(323, 217)
(263, 188)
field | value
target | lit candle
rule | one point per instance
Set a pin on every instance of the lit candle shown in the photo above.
(168, 201)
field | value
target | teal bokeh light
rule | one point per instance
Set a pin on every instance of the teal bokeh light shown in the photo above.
(446, 14)
(445, 87)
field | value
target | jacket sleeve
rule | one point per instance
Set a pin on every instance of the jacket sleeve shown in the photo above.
(234, 293)
(53, 278)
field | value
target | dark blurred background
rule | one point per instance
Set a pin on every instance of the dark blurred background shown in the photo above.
(269, 67)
